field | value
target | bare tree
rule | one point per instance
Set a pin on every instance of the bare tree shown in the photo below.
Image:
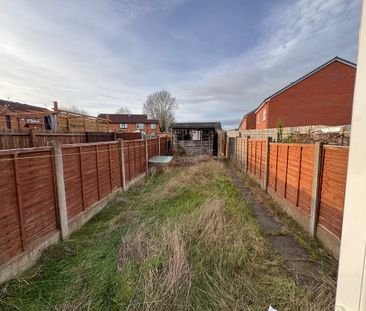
(161, 105)
(76, 110)
(124, 110)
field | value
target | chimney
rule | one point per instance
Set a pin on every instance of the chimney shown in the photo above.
(55, 105)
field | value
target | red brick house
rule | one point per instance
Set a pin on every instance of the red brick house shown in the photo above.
(248, 121)
(14, 115)
(322, 97)
(130, 123)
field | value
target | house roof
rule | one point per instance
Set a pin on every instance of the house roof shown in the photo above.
(197, 125)
(335, 59)
(127, 118)
(15, 107)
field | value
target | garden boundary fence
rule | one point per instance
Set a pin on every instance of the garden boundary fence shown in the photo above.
(49, 192)
(307, 180)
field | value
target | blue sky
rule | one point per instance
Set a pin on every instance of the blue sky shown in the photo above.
(218, 58)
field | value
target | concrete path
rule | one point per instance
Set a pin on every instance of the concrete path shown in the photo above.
(297, 261)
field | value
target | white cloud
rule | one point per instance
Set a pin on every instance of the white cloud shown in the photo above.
(88, 54)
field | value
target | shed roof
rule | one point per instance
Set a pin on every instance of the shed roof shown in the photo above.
(15, 107)
(127, 118)
(197, 125)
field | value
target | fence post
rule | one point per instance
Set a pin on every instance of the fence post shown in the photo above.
(60, 186)
(121, 148)
(227, 147)
(266, 164)
(159, 144)
(147, 156)
(315, 191)
(33, 138)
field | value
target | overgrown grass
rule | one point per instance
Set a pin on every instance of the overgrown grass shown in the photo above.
(184, 239)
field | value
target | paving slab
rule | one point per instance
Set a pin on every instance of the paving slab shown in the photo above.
(297, 260)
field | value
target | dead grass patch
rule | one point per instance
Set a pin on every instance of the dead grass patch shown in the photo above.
(135, 247)
(177, 272)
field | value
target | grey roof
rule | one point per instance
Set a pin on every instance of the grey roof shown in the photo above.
(197, 125)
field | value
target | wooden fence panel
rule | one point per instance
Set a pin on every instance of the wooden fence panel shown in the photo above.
(164, 145)
(29, 213)
(43, 139)
(90, 175)
(10, 233)
(36, 185)
(153, 148)
(333, 183)
(92, 137)
(128, 145)
(240, 151)
(256, 157)
(73, 180)
(128, 136)
(273, 161)
(115, 165)
(306, 178)
(290, 173)
(104, 171)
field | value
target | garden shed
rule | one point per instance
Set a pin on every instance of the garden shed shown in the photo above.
(196, 137)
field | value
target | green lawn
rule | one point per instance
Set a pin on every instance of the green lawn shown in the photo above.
(183, 239)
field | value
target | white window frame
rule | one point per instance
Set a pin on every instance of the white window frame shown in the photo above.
(258, 119)
(123, 125)
(140, 126)
(264, 115)
(153, 126)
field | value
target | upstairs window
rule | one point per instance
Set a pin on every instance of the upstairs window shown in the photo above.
(264, 115)
(140, 126)
(153, 126)
(258, 119)
(123, 126)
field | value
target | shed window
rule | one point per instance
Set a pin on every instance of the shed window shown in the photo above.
(140, 126)
(123, 126)
(264, 115)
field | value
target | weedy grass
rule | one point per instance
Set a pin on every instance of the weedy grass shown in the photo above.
(184, 239)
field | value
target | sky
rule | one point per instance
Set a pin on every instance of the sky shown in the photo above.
(218, 58)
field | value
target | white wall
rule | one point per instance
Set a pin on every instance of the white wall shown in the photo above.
(351, 285)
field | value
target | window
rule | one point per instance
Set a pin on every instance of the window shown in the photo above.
(264, 115)
(140, 126)
(258, 119)
(153, 126)
(123, 126)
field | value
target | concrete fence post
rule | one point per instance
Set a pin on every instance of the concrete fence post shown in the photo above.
(60, 186)
(266, 164)
(147, 155)
(315, 191)
(227, 147)
(121, 147)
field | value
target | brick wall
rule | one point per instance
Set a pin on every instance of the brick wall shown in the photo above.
(248, 122)
(323, 98)
(131, 127)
